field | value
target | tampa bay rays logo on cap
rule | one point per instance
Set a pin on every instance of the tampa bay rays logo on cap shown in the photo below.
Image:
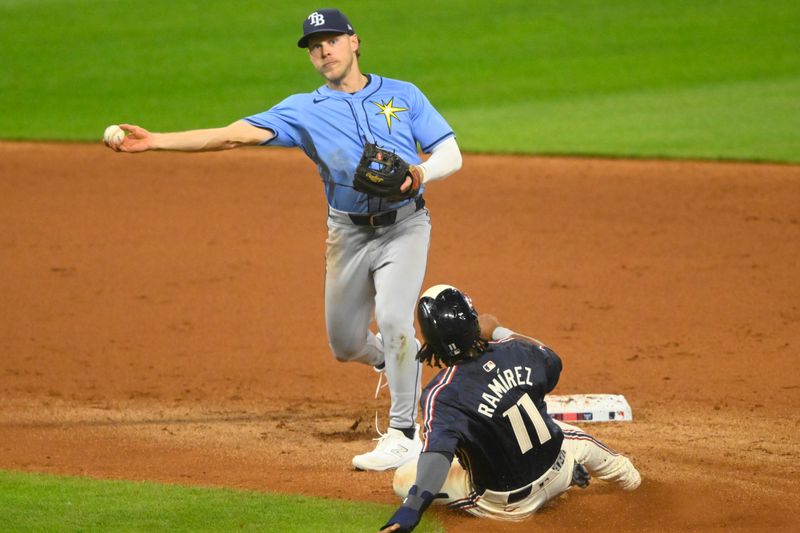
(316, 18)
(389, 111)
(324, 20)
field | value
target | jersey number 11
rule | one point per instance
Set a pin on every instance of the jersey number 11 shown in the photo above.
(518, 425)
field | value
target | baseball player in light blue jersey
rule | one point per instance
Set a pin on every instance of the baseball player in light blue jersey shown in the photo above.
(377, 247)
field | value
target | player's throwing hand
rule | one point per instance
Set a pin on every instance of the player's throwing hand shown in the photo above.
(137, 139)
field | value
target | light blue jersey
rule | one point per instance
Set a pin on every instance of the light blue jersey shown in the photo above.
(332, 128)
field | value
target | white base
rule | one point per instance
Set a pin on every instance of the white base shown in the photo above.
(589, 408)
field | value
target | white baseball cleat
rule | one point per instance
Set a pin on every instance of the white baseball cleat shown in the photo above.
(393, 450)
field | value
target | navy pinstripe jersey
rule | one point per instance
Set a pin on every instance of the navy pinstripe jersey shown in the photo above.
(490, 412)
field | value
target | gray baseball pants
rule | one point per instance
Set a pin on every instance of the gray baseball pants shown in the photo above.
(378, 270)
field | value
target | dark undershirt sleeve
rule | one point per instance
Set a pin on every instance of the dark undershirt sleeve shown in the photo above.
(432, 469)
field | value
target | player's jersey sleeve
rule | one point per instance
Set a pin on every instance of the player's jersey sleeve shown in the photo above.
(282, 119)
(442, 422)
(429, 127)
(552, 365)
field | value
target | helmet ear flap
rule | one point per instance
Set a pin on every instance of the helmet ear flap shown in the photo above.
(426, 316)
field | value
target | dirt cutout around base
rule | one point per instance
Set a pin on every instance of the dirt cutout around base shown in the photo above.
(162, 319)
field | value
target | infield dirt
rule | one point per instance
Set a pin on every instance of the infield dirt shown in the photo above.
(162, 319)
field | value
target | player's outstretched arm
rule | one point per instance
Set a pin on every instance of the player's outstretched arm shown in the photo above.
(239, 133)
(492, 330)
(432, 469)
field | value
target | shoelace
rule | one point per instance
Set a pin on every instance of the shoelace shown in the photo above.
(377, 429)
(377, 392)
(380, 385)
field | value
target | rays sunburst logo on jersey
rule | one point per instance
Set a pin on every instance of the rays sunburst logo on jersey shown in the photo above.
(389, 111)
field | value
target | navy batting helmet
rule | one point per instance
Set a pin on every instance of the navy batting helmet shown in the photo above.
(449, 324)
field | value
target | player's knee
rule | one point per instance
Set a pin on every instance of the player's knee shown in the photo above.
(344, 351)
(344, 356)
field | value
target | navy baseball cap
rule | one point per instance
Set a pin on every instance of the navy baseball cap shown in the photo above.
(324, 21)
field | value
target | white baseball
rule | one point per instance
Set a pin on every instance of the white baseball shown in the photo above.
(113, 135)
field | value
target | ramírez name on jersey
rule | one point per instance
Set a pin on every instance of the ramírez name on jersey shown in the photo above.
(499, 386)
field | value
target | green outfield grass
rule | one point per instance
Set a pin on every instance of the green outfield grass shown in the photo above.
(35, 502)
(674, 78)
